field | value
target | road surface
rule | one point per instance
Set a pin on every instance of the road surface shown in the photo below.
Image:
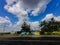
(42, 40)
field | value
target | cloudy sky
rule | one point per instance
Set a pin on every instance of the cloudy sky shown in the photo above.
(14, 12)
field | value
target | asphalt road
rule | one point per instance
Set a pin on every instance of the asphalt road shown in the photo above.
(42, 40)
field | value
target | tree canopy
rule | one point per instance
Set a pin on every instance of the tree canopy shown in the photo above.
(25, 28)
(50, 26)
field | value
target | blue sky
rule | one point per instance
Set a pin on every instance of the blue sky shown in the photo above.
(4, 12)
(52, 7)
(12, 13)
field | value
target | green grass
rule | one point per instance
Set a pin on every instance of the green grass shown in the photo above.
(56, 33)
(12, 35)
(53, 33)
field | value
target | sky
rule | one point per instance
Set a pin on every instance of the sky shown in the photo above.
(14, 12)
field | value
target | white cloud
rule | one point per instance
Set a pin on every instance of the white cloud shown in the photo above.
(18, 11)
(57, 18)
(49, 16)
(41, 7)
(5, 24)
(21, 7)
(4, 20)
(34, 25)
(9, 2)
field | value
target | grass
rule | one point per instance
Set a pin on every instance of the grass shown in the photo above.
(14, 35)
(23, 35)
(56, 33)
(53, 33)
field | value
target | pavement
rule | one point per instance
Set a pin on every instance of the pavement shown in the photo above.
(31, 40)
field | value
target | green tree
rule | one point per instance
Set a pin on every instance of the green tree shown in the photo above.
(25, 28)
(50, 26)
(43, 27)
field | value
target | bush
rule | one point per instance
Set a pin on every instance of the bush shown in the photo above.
(48, 33)
(56, 33)
(52, 33)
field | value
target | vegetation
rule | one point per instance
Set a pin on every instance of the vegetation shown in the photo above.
(25, 28)
(53, 33)
(50, 26)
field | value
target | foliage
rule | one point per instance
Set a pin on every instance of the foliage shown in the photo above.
(25, 28)
(53, 33)
(50, 26)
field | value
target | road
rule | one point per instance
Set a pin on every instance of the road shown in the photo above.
(42, 40)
